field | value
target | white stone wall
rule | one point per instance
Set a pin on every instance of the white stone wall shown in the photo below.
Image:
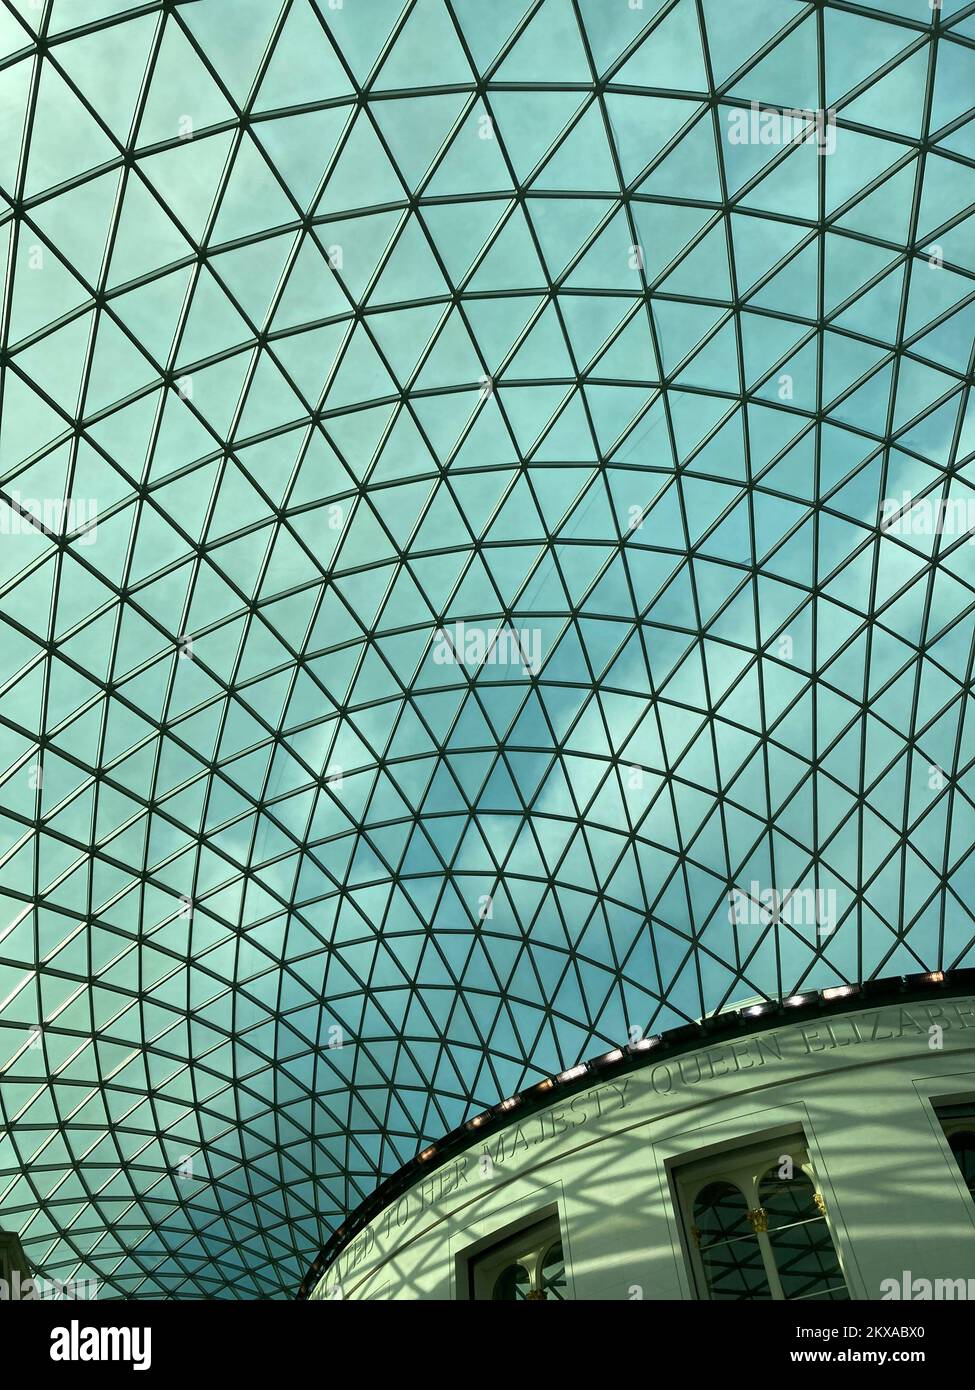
(861, 1086)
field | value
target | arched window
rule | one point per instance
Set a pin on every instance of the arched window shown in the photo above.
(805, 1259)
(521, 1267)
(552, 1272)
(512, 1284)
(757, 1226)
(730, 1254)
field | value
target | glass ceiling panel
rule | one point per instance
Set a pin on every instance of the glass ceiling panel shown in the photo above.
(486, 496)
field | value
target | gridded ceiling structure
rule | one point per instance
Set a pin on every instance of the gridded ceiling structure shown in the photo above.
(447, 556)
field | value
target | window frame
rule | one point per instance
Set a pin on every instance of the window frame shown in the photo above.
(744, 1164)
(479, 1264)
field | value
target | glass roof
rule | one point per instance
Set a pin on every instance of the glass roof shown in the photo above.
(486, 493)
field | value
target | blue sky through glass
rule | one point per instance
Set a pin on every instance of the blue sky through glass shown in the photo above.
(486, 496)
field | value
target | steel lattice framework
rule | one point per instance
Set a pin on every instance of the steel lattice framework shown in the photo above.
(446, 451)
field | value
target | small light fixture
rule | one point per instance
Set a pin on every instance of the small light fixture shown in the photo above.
(608, 1059)
(935, 977)
(572, 1074)
(427, 1154)
(839, 992)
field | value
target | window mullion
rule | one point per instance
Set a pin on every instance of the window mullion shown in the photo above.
(771, 1268)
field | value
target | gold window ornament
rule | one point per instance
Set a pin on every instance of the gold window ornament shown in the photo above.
(526, 1266)
(757, 1225)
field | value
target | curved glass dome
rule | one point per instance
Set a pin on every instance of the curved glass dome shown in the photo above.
(485, 570)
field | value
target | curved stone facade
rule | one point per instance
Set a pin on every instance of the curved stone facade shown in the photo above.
(862, 1088)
